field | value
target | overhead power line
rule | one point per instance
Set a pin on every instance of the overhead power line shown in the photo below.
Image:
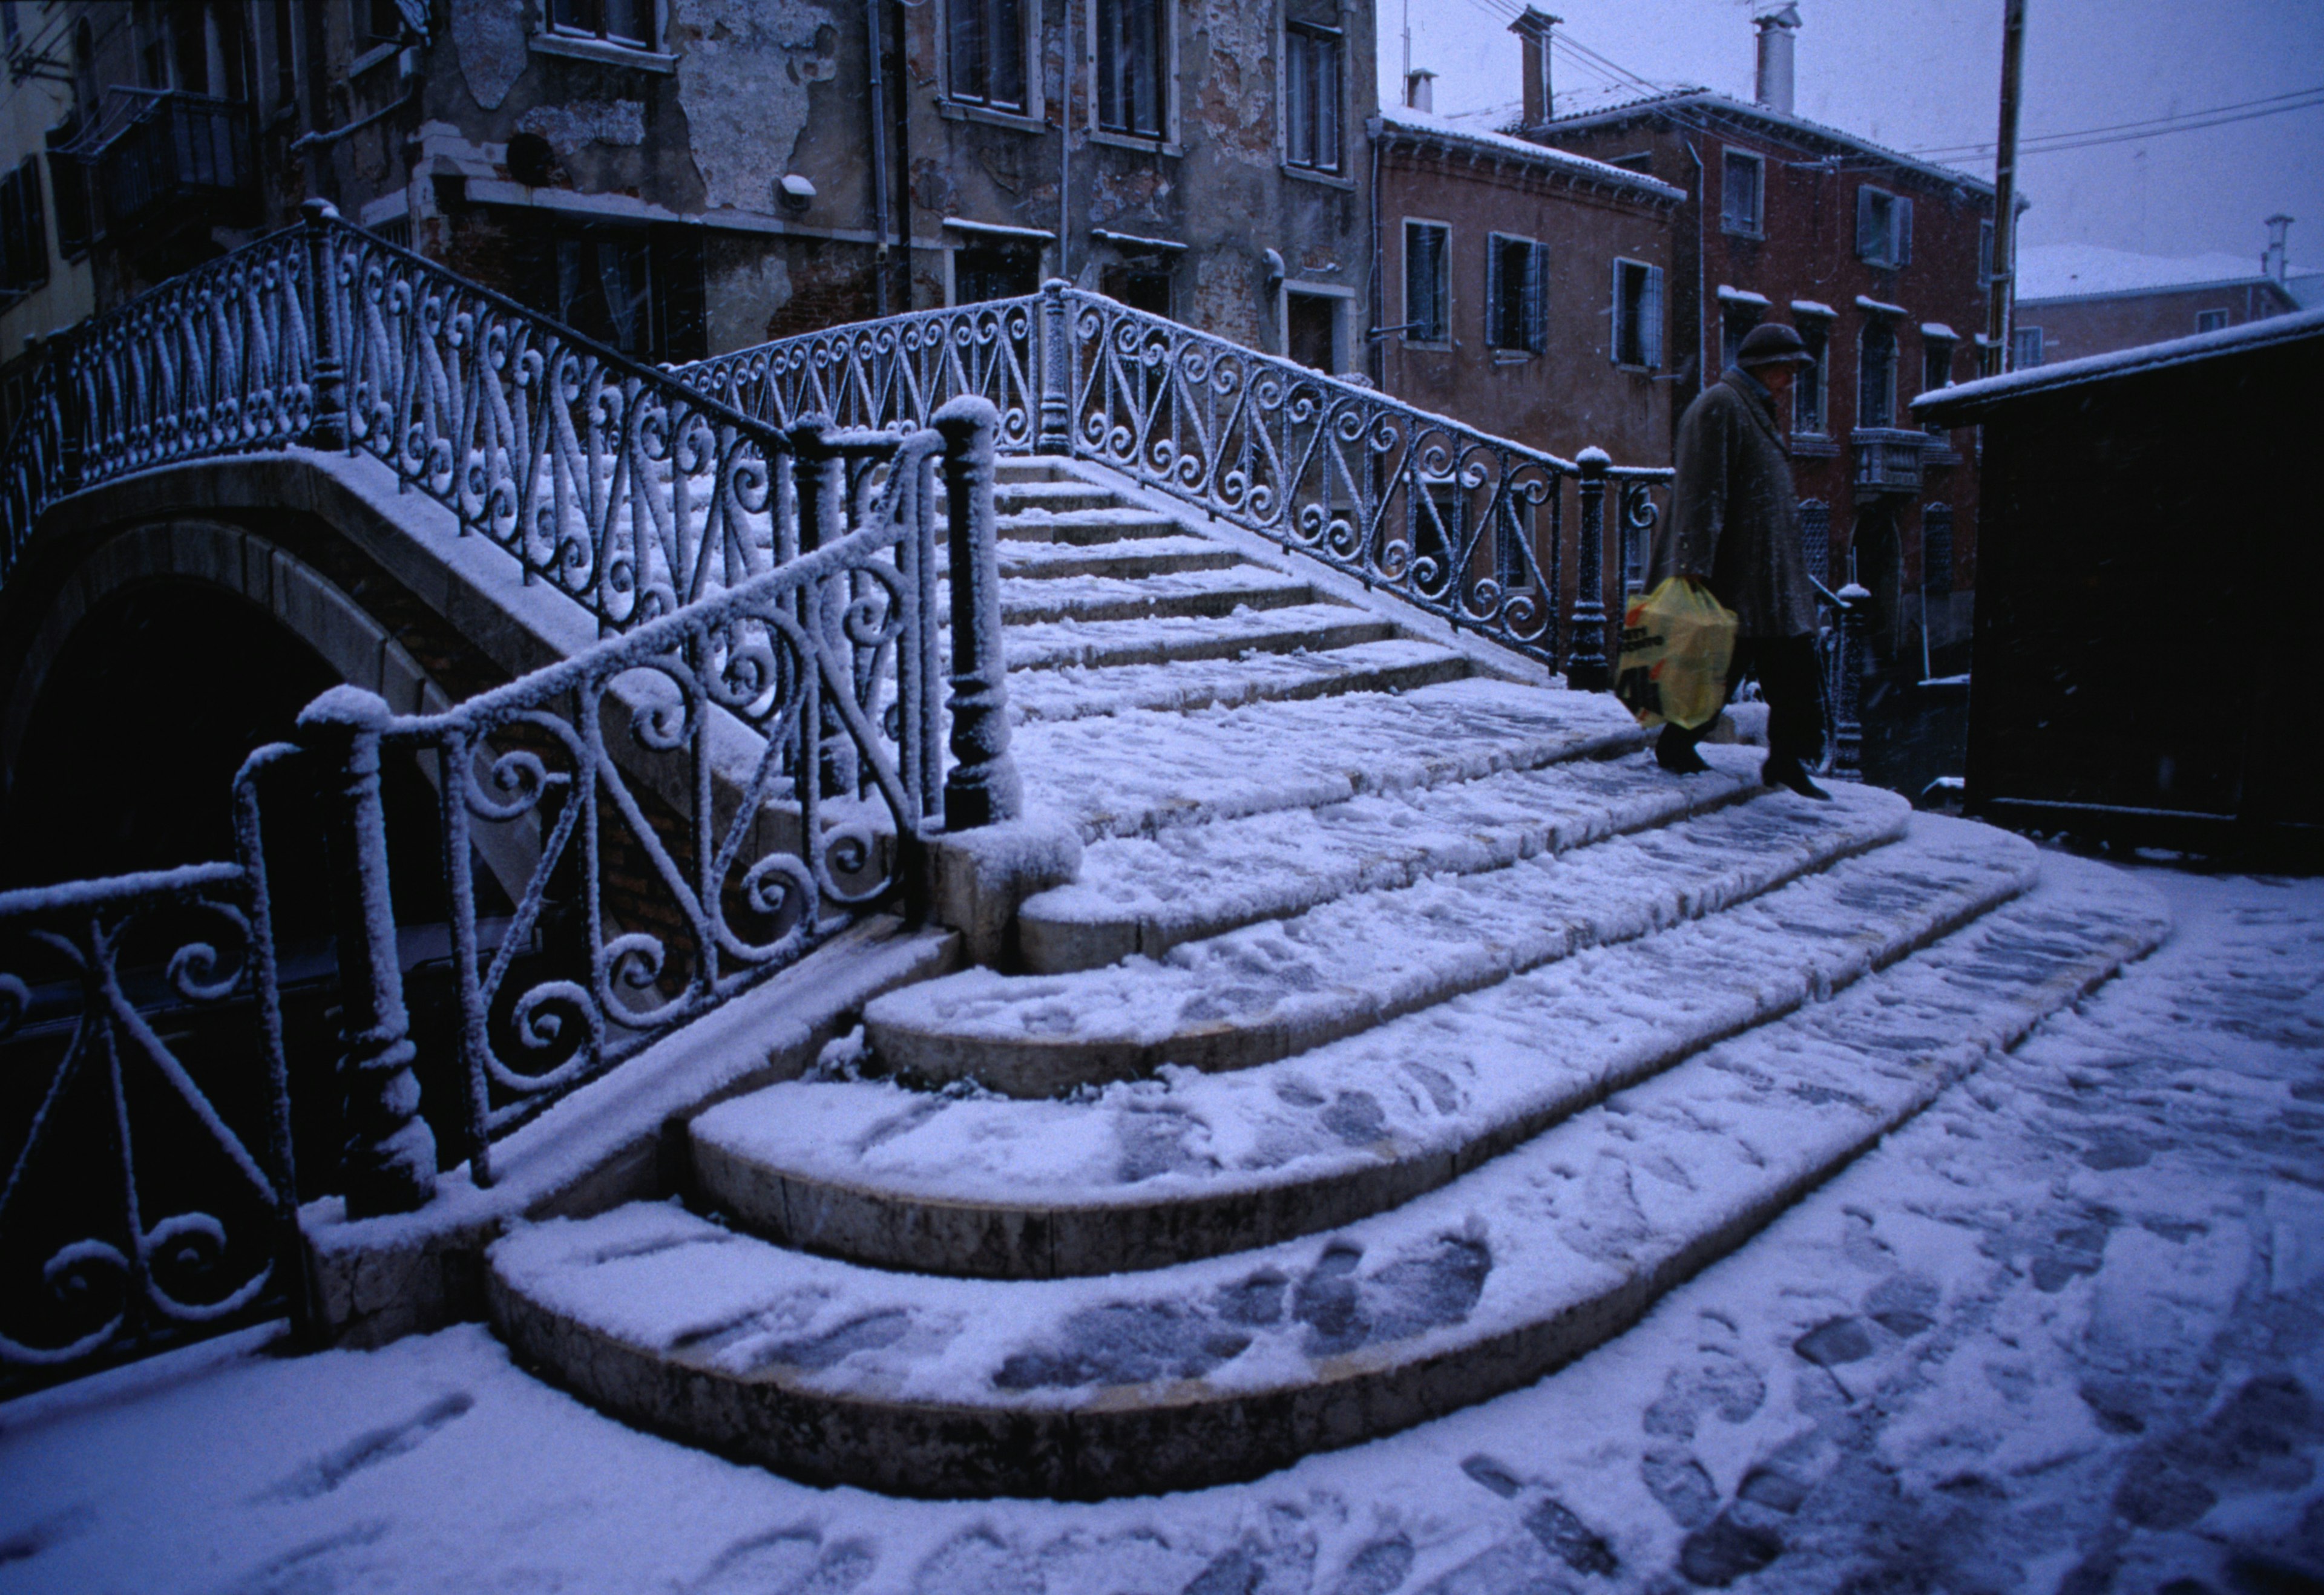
(2274, 105)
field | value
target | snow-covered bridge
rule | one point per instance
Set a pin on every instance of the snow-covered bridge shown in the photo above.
(1069, 847)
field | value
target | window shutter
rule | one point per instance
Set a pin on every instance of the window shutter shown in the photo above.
(1537, 297)
(1650, 320)
(1868, 222)
(1614, 319)
(1326, 57)
(1496, 284)
(1904, 212)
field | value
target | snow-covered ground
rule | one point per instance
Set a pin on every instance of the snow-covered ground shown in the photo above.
(2064, 1332)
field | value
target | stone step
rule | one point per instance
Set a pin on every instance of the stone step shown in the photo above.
(1030, 467)
(1141, 772)
(1162, 639)
(1134, 558)
(1397, 665)
(1011, 497)
(1176, 593)
(1192, 1165)
(1268, 990)
(1148, 894)
(1228, 1367)
(1088, 526)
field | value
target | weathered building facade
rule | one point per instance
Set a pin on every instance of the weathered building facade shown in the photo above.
(678, 176)
(1878, 259)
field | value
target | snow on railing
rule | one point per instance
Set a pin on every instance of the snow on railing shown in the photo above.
(1452, 519)
(150, 1195)
(613, 481)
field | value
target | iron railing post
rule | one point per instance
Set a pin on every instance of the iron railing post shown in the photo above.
(388, 1159)
(1056, 372)
(1847, 713)
(63, 350)
(983, 787)
(1586, 669)
(328, 427)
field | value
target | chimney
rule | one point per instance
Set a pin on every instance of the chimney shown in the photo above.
(1776, 31)
(1420, 90)
(2272, 262)
(1533, 27)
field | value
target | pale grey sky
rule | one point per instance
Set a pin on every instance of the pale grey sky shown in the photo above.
(1914, 74)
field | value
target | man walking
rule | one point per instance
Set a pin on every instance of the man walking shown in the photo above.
(1734, 527)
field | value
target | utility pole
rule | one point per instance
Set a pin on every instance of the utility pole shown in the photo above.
(2001, 293)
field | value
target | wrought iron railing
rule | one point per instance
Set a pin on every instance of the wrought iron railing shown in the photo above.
(150, 1195)
(893, 372)
(620, 485)
(1454, 520)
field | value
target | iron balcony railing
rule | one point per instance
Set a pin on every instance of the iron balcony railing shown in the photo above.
(175, 149)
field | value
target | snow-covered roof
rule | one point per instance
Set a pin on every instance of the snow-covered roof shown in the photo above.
(1951, 405)
(1709, 104)
(1406, 120)
(2050, 271)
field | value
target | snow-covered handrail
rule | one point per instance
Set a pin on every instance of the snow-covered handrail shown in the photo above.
(690, 806)
(614, 482)
(148, 1005)
(1458, 523)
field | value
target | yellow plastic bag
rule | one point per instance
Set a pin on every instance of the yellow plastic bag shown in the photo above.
(1677, 641)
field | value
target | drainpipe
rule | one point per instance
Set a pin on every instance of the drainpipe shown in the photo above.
(874, 46)
(1065, 151)
(1379, 356)
(1702, 378)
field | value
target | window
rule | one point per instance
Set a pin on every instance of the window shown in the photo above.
(985, 53)
(1133, 56)
(1311, 92)
(1876, 375)
(1427, 285)
(1740, 211)
(23, 240)
(1637, 313)
(286, 57)
(69, 186)
(1808, 409)
(1937, 550)
(2025, 348)
(1142, 285)
(2210, 321)
(605, 291)
(1815, 539)
(619, 22)
(1884, 226)
(1936, 371)
(190, 41)
(1984, 252)
(1736, 320)
(1311, 330)
(981, 272)
(1516, 313)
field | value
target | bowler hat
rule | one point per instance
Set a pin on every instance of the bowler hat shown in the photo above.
(1772, 344)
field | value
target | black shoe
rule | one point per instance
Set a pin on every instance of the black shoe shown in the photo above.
(1787, 773)
(1677, 755)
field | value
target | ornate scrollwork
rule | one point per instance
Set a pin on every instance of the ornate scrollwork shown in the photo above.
(86, 966)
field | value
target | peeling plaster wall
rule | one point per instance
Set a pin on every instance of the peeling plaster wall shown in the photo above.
(747, 287)
(745, 72)
(568, 128)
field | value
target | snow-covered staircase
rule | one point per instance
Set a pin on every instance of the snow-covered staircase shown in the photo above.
(1405, 1035)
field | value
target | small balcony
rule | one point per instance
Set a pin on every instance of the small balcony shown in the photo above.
(1887, 459)
(185, 156)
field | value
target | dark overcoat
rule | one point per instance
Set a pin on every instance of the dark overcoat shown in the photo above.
(1735, 515)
